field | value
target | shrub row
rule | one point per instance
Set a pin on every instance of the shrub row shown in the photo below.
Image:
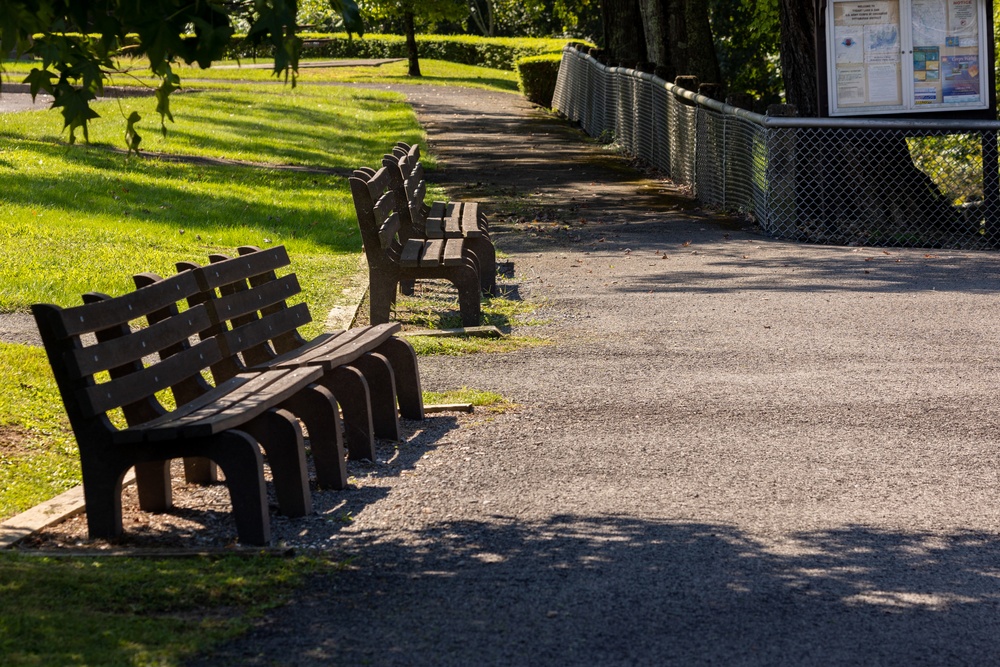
(536, 77)
(495, 52)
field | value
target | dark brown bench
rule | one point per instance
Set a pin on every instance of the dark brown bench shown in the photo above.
(372, 373)
(439, 220)
(393, 258)
(366, 369)
(105, 357)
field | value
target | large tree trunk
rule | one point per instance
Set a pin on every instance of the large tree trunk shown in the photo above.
(411, 44)
(798, 55)
(679, 39)
(623, 35)
(656, 28)
(702, 59)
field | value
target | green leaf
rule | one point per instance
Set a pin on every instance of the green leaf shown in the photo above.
(351, 14)
(132, 137)
(76, 111)
(40, 80)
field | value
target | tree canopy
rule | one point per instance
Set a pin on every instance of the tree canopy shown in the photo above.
(80, 43)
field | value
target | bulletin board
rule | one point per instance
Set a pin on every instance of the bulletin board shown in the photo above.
(908, 56)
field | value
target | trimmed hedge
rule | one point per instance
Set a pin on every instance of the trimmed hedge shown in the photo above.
(495, 52)
(536, 77)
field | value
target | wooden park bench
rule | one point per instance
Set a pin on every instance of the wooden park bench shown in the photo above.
(439, 220)
(106, 355)
(393, 258)
(371, 372)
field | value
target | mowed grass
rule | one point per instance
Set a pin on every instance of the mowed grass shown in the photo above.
(74, 211)
(316, 126)
(94, 611)
(38, 457)
(434, 72)
(82, 218)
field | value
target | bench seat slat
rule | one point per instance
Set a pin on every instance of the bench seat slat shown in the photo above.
(432, 252)
(434, 224)
(453, 220)
(230, 405)
(412, 251)
(471, 225)
(266, 390)
(453, 253)
(332, 350)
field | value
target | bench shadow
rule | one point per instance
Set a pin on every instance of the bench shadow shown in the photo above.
(201, 518)
(614, 590)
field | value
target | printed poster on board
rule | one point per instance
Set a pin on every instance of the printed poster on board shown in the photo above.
(960, 76)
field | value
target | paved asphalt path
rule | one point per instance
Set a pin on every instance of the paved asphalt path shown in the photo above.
(736, 451)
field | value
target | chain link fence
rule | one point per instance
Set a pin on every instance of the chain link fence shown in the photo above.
(921, 183)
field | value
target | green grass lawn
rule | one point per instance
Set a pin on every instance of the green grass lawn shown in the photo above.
(96, 611)
(82, 218)
(435, 72)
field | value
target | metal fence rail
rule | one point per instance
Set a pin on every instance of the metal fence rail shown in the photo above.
(926, 183)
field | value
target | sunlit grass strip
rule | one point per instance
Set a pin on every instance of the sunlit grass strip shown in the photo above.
(322, 126)
(479, 398)
(435, 72)
(461, 345)
(90, 611)
(80, 220)
(38, 457)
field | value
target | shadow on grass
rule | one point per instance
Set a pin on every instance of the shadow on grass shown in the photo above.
(160, 193)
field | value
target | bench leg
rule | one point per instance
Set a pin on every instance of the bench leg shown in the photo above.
(350, 389)
(466, 281)
(239, 457)
(279, 433)
(317, 408)
(487, 256)
(152, 482)
(382, 393)
(381, 297)
(102, 494)
(407, 287)
(403, 360)
(199, 470)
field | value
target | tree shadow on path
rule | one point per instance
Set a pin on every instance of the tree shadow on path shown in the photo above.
(575, 590)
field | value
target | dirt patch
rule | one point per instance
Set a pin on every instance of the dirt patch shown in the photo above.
(14, 442)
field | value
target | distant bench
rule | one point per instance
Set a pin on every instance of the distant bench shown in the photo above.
(119, 353)
(393, 258)
(439, 220)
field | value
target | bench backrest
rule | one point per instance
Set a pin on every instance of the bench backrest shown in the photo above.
(104, 355)
(375, 204)
(409, 184)
(248, 306)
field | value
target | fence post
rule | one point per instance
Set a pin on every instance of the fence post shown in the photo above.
(781, 176)
(991, 187)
